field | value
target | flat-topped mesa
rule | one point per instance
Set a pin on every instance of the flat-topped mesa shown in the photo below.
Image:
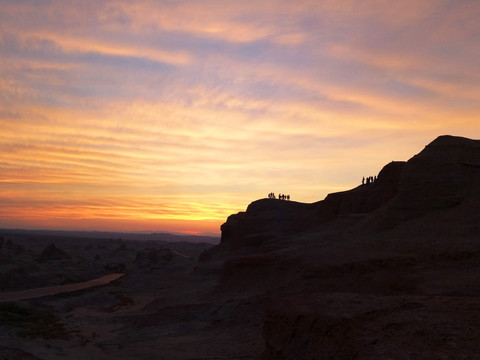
(266, 218)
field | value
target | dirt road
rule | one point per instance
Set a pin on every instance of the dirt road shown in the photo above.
(59, 289)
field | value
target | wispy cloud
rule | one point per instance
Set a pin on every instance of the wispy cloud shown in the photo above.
(165, 113)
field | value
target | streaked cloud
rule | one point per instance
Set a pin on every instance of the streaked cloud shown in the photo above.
(172, 115)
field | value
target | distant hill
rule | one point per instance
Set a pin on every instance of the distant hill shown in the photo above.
(166, 237)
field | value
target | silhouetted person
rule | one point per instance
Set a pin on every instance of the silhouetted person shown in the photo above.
(288, 197)
(363, 180)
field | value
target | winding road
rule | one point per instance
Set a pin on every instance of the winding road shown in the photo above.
(58, 289)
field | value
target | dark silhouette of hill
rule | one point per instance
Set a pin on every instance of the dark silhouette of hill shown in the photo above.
(363, 273)
(156, 236)
(442, 180)
(269, 218)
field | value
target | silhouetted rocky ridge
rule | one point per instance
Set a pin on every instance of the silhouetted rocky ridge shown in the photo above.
(444, 175)
(442, 179)
(266, 219)
(364, 272)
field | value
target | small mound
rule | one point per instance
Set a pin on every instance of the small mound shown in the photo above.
(52, 253)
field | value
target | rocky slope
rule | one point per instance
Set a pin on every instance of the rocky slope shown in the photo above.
(267, 219)
(386, 270)
(443, 179)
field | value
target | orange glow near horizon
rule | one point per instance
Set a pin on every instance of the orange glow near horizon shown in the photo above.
(153, 116)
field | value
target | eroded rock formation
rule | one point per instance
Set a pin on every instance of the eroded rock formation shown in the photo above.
(52, 253)
(386, 270)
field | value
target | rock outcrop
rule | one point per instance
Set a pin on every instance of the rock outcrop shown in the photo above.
(263, 220)
(365, 198)
(52, 253)
(445, 176)
(267, 219)
(384, 265)
(405, 274)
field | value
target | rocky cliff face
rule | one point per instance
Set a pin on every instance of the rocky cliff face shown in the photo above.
(263, 220)
(443, 179)
(444, 176)
(412, 278)
(367, 271)
(365, 198)
(267, 219)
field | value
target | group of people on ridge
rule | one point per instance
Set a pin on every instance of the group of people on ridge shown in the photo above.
(365, 181)
(280, 196)
(369, 180)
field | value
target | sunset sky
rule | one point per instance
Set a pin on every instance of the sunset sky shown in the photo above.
(171, 115)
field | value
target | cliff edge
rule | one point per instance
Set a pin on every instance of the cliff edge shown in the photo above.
(267, 219)
(443, 176)
(363, 272)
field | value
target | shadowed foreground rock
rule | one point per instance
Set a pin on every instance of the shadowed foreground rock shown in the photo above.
(15, 354)
(365, 326)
